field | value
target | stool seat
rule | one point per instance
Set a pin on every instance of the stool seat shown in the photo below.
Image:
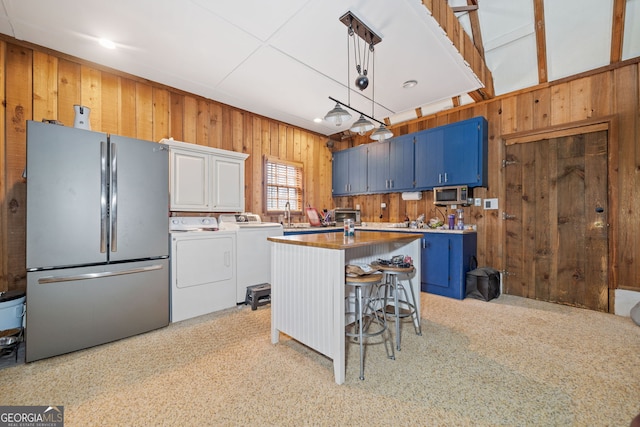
(365, 315)
(403, 302)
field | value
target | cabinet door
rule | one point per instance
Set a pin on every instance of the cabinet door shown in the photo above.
(436, 261)
(358, 170)
(340, 173)
(378, 167)
(429, 152)
(228, 185)
(401, 163)
(461, 149)
(189, 180)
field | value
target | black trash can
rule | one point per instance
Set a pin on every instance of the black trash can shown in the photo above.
(483, 283)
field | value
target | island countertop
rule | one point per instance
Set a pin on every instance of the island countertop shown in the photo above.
(340, 241)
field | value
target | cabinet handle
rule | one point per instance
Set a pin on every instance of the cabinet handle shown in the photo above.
(390, 183)
(439, 178)
(446, 178)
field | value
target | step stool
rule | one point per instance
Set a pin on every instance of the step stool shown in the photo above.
(258, 295)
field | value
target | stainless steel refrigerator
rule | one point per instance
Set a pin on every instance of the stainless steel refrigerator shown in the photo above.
(97, 238)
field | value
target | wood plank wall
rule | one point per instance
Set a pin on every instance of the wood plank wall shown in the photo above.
(612, 91)
(37, 83)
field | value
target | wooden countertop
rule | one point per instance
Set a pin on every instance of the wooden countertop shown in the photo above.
(340, 241)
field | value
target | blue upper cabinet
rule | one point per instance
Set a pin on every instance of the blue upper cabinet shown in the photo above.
(455, 154)
(350, 171)
(390, 165)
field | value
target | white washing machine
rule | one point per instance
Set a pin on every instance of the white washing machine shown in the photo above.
(253, 260)
(203, 267)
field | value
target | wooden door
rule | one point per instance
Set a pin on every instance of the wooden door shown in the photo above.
(556, 220)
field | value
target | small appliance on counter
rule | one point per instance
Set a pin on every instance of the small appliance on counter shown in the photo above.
(453, 195)
(340, 214)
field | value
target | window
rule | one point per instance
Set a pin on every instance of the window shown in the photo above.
(283, 184)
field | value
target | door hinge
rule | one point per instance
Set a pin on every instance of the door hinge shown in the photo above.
(506, 216)
(506, 162)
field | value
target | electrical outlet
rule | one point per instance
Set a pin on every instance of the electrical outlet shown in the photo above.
(383, 205)
(477, 201)
(490, 204)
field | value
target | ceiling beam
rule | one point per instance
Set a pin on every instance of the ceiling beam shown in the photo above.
(541, 40)
(617, 30)
(444, 15)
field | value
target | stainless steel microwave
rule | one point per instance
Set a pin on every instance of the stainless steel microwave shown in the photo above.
(340, 214)
(453, 195)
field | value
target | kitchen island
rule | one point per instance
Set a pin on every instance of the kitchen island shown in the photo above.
(308, 286)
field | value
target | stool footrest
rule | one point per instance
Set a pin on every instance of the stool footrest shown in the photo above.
(258, 295)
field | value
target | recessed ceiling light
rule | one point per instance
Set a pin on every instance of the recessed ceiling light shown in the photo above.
(107, 43)
(409, 84)
(317, 120)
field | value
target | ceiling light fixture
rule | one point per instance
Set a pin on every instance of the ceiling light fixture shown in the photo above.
(364, 40)
(107, 43)
(409, 84)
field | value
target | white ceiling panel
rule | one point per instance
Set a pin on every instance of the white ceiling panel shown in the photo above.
(581, 41)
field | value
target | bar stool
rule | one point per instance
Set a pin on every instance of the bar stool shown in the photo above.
(365, 315)
(404, 303)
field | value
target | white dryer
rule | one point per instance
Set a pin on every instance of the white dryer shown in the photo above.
(203, 269)
(253, 260)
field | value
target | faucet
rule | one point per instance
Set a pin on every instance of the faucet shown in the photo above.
(287, 213)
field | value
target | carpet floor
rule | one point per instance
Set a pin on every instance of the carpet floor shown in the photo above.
(509, 362)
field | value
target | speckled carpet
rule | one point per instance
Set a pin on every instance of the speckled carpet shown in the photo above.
(509, 362)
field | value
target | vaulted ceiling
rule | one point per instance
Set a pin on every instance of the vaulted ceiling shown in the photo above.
(284, 58)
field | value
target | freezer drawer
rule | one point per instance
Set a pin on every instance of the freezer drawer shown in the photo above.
(76, 308)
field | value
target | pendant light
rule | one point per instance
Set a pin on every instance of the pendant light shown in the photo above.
(361, 126)
(337, 115)
(381, 134)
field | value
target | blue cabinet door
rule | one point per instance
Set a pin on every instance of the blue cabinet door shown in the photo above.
(340, 173)
(378, 167)
(446, 259)
(349, 171)
(401, 163)
(429, 152)
(358, 170)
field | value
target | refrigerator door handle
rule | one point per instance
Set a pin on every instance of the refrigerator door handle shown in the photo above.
(113, 217)
(103, 197)
(57, 279)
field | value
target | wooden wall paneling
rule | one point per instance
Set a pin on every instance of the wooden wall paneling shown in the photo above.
(265, 150)
(236, 139)
(230, 116)
(110, 103)
(602, 94)
(324, 172)
(4, 244)
(90, 94)
(297, 146)
(543, 233)
(311, 182)
(493, 223)
(256, 160)
(274, 140)
(127, 112)
(204, 123)
(524, 111)
(516, 280)
(144, 112)
(19, 96)
(560, 104)
(190, 120)
(626, 105)
(45, 86)
(68, 90)
(580, 104)
(176, 116)
(249, 184)
(541, 108)
(509, 115)
(161, 108)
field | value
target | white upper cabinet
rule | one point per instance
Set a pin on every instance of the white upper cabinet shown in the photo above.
(205, 179)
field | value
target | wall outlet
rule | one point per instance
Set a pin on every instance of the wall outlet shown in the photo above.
(477, 201)
(490, 204)
(383, 205)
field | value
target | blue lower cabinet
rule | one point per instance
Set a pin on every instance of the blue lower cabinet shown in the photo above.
(446, 260)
